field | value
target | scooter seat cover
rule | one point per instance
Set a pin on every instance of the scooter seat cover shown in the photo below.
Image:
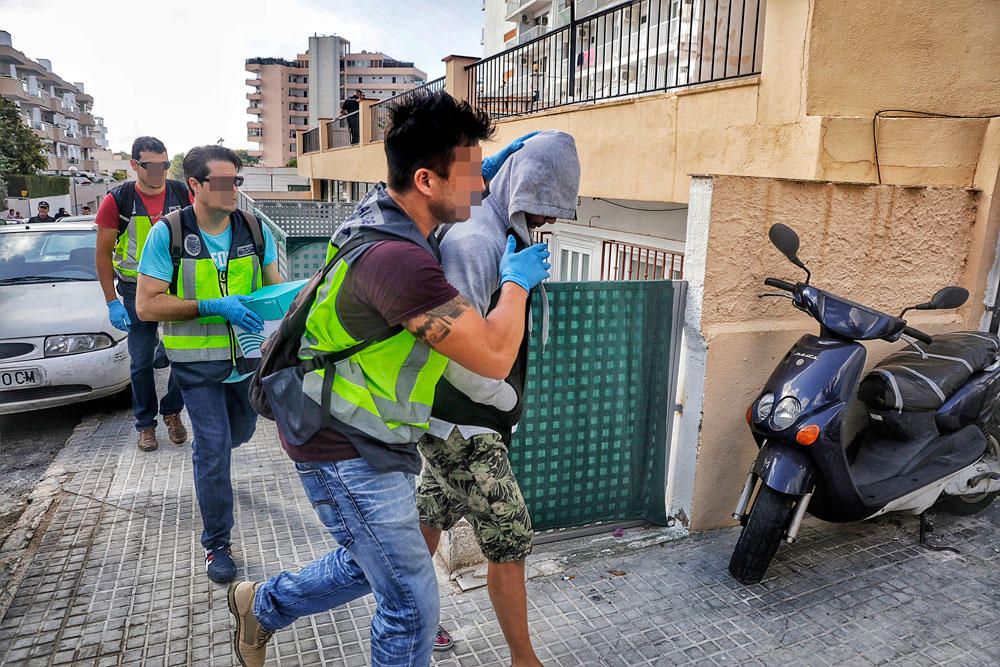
(922, 377)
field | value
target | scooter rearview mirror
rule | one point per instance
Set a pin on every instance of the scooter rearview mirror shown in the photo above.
(786, 241)
(949, 297)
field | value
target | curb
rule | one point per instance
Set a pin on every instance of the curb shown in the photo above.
(21, 544)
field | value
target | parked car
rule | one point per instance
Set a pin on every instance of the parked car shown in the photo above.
(56, 343)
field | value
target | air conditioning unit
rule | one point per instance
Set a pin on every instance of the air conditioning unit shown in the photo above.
(525, 18)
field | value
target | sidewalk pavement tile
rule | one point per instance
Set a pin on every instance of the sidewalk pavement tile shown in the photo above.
(118, 579)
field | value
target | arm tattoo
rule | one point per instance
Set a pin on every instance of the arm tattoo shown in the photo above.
(434, 326)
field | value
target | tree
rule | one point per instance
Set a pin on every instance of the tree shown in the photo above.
(21, 151)
(294, 162)
(119, 175)
(177, 167)
(247, 159)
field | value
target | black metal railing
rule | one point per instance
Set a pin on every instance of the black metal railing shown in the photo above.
(632, 48)
(380, 111)
(343, 131)
(310, 141)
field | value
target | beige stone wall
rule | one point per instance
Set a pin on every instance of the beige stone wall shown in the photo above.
(884, 246)
(941, 56)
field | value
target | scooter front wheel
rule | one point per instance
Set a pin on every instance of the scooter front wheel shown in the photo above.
(762, 533)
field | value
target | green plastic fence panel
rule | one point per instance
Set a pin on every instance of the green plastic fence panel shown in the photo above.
(592, 443)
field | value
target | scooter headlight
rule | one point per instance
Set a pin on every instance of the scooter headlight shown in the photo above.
(764, 406)
(786, 413)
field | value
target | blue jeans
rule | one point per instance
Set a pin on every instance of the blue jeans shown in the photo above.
(142, 347)
(373, 516)
(222, 419)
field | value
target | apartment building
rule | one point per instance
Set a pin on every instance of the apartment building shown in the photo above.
(287, 96)
(380, 76)
(59, 112)
(278, 103)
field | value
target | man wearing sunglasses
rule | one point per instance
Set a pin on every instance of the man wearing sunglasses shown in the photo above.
(197, 270)
(123, 223)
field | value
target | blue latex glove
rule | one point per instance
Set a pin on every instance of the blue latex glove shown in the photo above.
(232, 309)
(492, 164)
(118, 315)
(526, 268)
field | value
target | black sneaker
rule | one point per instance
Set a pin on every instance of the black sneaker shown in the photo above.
(220, 564)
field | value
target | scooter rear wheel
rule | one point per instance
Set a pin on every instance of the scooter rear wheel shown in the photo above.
(966, 505)
(766, 525)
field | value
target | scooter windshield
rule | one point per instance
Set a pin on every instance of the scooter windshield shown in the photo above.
(848, 319)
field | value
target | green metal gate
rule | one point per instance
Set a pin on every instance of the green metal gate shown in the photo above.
(593, 444)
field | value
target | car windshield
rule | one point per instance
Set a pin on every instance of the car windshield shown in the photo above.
(38, 256)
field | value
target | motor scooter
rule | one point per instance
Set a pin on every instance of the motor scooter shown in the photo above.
(922, 427)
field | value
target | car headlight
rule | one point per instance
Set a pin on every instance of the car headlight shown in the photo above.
(786, 413)
(60, 346)
(764, 406)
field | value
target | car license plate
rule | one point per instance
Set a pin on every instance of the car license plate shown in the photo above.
(16, 378)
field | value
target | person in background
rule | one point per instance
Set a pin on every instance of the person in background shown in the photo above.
(225, 256)
(121, 235)
(43, 214)
(62, 213)
(85, 210)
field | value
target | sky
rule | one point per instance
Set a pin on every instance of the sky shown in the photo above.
(177, 71)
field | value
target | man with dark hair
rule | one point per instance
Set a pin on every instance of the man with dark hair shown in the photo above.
(197, 270)
(43, 214)
(378, 336)
(124, 220)
(85, 210)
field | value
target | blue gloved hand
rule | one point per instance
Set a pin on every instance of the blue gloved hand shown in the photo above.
(118, 316)
(492, 164)
(526, 268)
(232, 309)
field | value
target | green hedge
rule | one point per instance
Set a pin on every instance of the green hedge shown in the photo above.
(37, 185)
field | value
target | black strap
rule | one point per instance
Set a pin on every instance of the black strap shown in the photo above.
(124, 196)
(173, 220)
(257, 233)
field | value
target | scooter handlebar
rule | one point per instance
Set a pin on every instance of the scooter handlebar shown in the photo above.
(780, 284)
(919, 335)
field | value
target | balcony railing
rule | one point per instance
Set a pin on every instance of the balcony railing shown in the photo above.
(380, 111)
(342, 132)
(626, 261)
(310, 141)
(632, 48)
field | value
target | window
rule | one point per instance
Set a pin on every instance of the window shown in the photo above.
(299, 188)
(573, 259)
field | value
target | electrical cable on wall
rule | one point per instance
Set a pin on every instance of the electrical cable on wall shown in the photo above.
(912, 113)
(633, 208)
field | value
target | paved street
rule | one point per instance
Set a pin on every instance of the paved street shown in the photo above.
(116, 578)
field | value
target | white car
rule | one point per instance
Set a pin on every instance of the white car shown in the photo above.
(56, 343)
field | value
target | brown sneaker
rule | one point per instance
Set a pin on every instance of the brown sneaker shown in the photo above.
(175, 429)
(147, 439)
(249, 639)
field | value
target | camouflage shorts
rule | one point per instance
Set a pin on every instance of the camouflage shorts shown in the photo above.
(472, 479)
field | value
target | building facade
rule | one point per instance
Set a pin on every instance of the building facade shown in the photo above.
(278, 103)
(59, 112)
(287, 96)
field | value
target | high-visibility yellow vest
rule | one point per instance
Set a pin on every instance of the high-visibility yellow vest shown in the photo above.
(198, 278)
(385, 390)
(135, 222)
